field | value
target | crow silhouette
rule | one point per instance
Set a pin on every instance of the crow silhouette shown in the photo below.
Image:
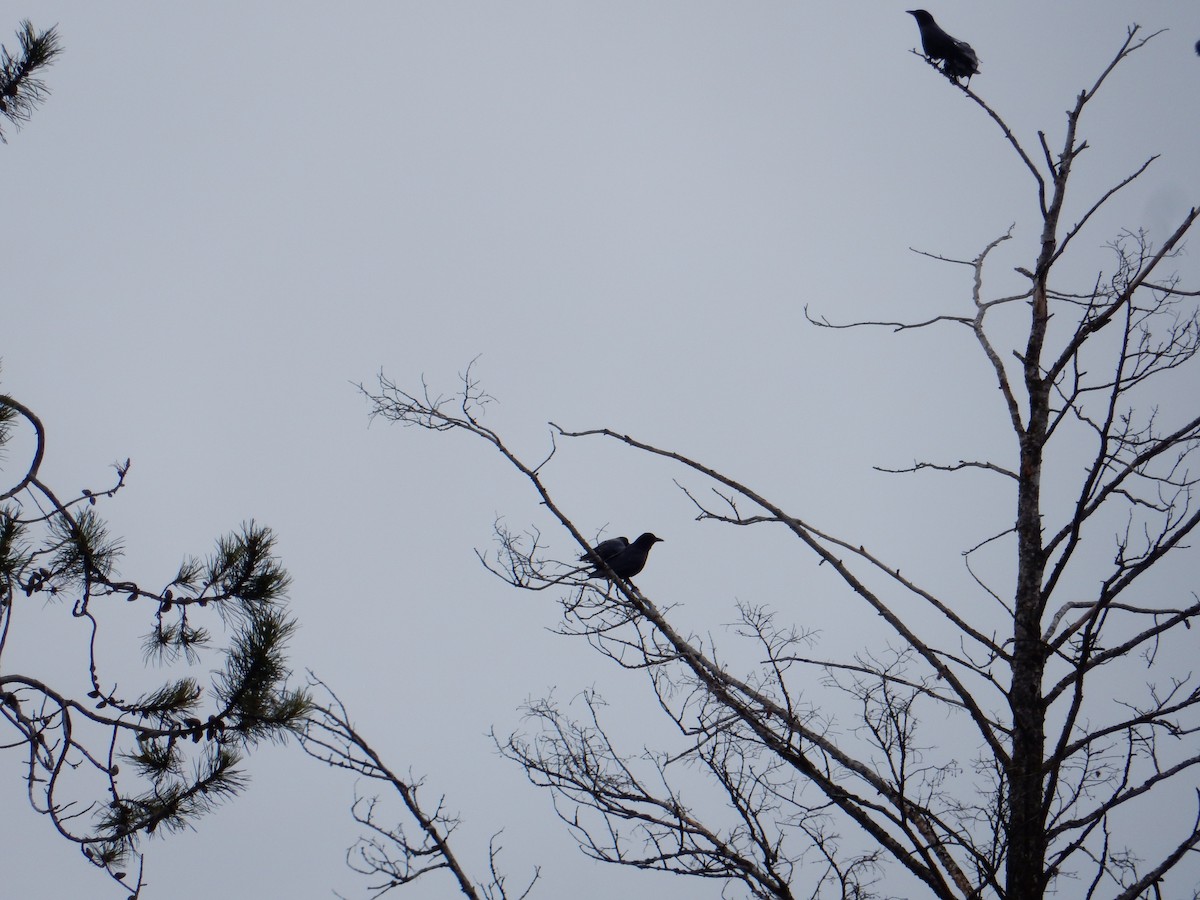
(623, 558)
(958, 59)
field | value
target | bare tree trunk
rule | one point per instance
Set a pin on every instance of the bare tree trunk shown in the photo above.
(1027, 813)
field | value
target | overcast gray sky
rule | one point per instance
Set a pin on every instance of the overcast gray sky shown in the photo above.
(226, 213)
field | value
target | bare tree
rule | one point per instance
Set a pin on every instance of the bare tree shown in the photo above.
(105, 766)
(1073, 682)
(387, 853)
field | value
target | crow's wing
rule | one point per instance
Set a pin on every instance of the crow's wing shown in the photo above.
(961, 60)
(606, 550)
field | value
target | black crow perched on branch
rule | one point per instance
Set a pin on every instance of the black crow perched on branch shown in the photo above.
(958, 59)
(623, 558)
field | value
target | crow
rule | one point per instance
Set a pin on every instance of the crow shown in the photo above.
(623, 558)
(958, 59)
